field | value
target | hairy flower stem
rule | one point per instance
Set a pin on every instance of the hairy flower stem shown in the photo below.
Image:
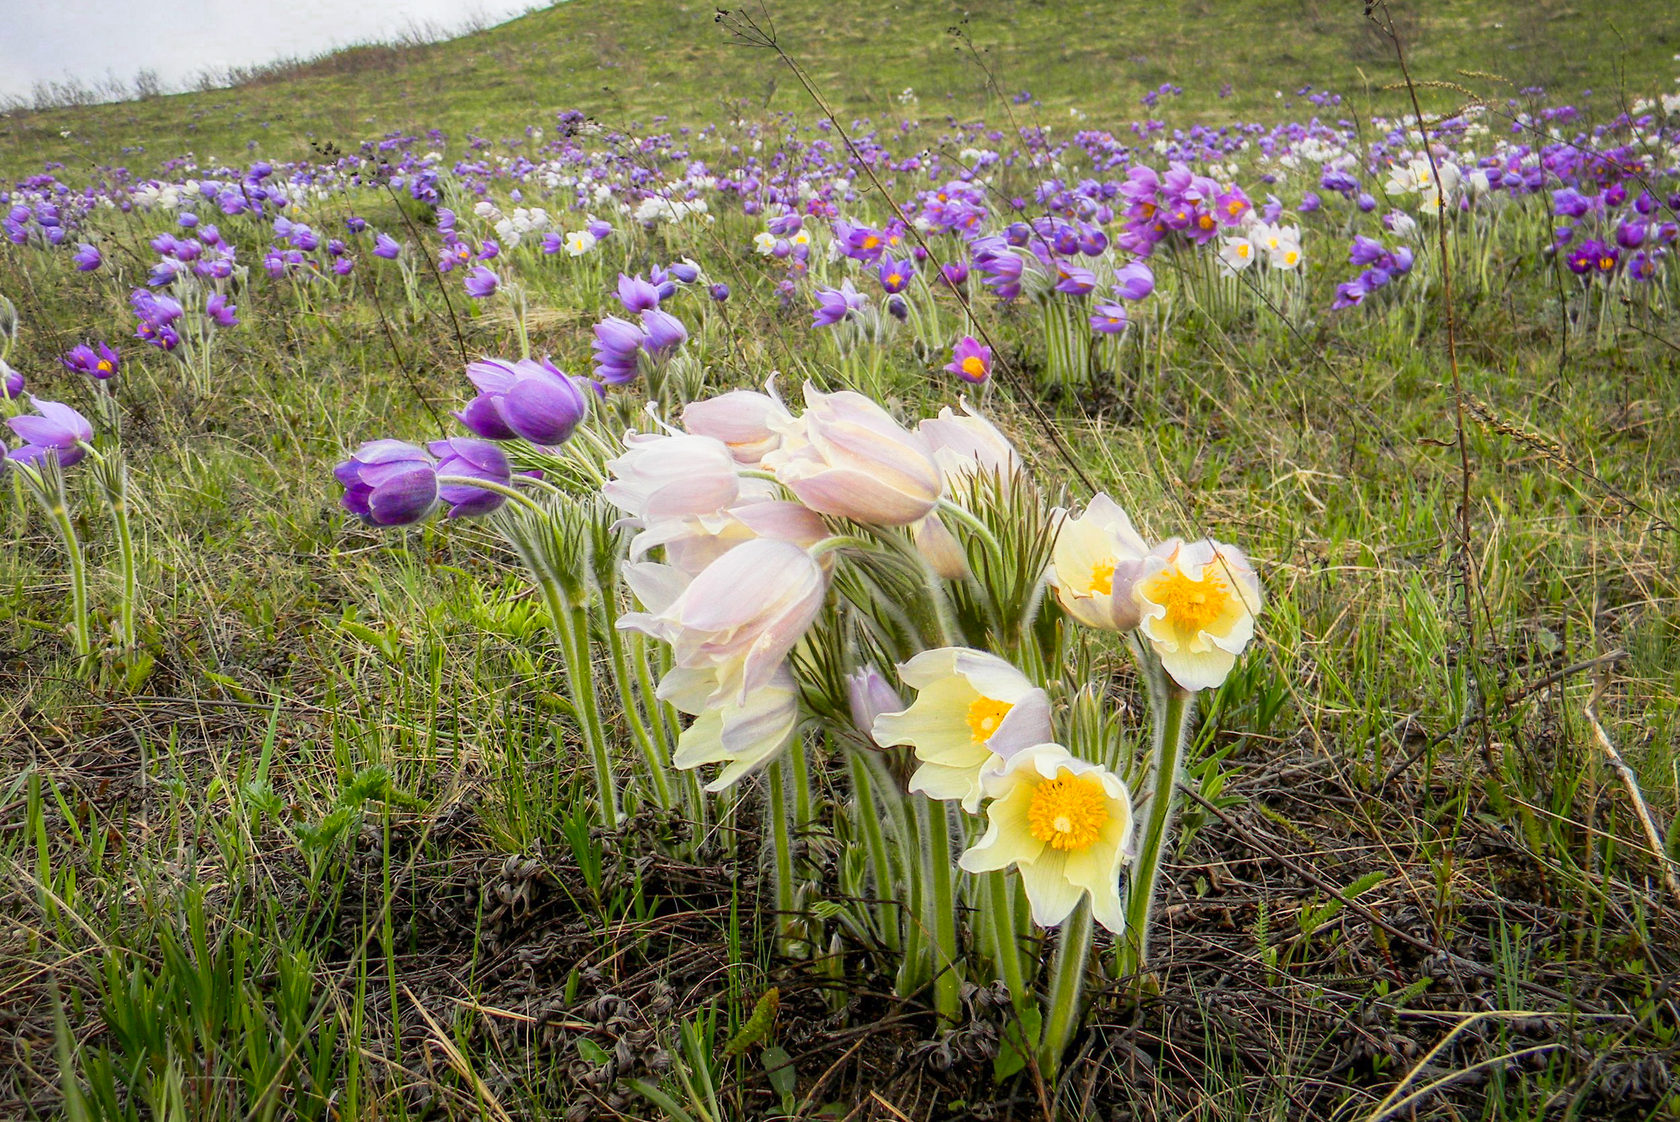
(653, 751)
(112, 475)
(887, 910)
(60, 514)
(781, 849)
(1000, 912)
(942, 912)
(1067, 979)
(1172, 729)
(572, 626)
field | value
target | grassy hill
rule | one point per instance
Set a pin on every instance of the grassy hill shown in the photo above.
(628, 61)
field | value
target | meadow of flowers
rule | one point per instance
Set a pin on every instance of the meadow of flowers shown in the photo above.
(721, 620)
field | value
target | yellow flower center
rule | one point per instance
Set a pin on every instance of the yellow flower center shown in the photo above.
(1192, 602)
(1102, 577)
(870, 241)
(104, 364)
(1068, 812)
(974, 366)
(1242, 250)
(985, 714)
(895, 279)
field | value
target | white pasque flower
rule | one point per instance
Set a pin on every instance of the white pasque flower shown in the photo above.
(1066, 826)
(1197, 605)
(742, 733)
(970, 708)
(1093, 564)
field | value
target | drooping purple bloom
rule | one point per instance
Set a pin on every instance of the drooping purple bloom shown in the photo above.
(637, 294)
(388, 483)
(102, 363)
(836, 304)
(618, 342)
(1134, 281)
(87, 258)
(662, 332)
(11, 382)
(531, 398)
(221, 311)
(384, 245)
(473, 459)
(971, 360)
(1108, 319)
(481, 283)
(58, 429)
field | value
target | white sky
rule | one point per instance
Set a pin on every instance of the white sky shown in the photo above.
(89, 40)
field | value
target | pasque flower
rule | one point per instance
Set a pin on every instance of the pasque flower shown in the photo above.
(847, 457)
(971, 360)
(968, 444)
(1065, 824)
(737, 620)
(743, 734)
(672, 475)
(618, 343)
(1197, 602)
(1096, 559)
(530, 398)
(970, 707)
(389, 482)
(101, 363)
(482, 282)
(750, 423)
(472, 459)
(58, 429)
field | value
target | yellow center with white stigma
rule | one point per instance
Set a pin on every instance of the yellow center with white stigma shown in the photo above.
(1192, 603)
(1068, 812)
(985, 714)
(1102, 576)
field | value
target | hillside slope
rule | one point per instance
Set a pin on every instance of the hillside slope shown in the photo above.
(628, 61)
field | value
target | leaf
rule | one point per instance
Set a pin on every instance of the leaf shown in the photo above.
(778, 1065)
(757, 1026)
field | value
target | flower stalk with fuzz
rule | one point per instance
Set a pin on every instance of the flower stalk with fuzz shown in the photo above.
(1197, 605)
(971, 708)
(1066, 826)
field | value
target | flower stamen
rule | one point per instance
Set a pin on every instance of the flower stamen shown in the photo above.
(985, 714)
(1068, 812)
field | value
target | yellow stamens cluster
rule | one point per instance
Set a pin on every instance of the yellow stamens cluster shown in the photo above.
(1068, 812)
(1102, 577)
(1192, 603)
(985, 714)
(974, 366)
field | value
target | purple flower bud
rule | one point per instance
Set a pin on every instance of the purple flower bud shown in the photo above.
(87, 258)
(1134, 281)
(474, 459)
(720, 292)
(530, 398)
(220, 311)
(870, 695)
(617, 344)
(11, 382)
(384, 245)
(482, 283)
(637, 294)
(685, 272)
(388, 483)
(663, 332)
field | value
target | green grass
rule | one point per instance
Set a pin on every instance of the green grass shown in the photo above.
(627, 61)
(336, 856)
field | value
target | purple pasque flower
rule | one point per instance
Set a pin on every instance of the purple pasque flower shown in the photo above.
(1134, 281)
(1108, 319)
(971, 360)
(894, 274)
(481, 283)
(384, 245)
(531, 398)
(1074, 280)
(954, 274)
(720, 292)
(1350, 294)
(11, 382)
(87, 258)
(389, 483)
(684, 271)
(157, 314)
(58, 430)
(662, 332)
(836, 304)
(618, 342)
(1366, 251)
(221, 310)
(637, 294)
(102, 363)
(473, 459)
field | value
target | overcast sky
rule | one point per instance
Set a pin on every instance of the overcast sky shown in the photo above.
(51, 40)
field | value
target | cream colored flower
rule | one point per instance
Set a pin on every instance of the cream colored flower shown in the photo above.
(970, 708)
(1066, 826)
(968, 444)
(1095, 559)
(750, 423)
(743, 733)
(1197, 606)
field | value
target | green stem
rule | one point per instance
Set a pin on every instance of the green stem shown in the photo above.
(1172, 727)
(652, 751)
(1067, 979)
(942, 913)
(782, 853)
(580, 684)
(887, 909)
(78, 574)
(491, 485)
(1006, 944)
